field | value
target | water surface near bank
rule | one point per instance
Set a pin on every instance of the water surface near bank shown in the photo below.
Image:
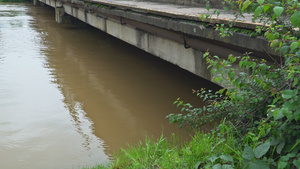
(71, 95)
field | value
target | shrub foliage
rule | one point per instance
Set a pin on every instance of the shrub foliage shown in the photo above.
(261, 100)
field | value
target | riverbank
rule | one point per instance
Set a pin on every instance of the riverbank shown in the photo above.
(209, 150)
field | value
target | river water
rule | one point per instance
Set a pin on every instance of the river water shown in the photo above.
(71, 95)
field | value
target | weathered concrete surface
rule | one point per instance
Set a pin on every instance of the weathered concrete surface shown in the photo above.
(197, 3)
(186, 20)
(170, 32)
(178, 11)
(171, 51)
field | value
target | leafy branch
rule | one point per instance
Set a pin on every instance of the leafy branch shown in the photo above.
(261, 100)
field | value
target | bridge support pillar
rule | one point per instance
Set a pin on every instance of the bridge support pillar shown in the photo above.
(62, 17)
(36, 2)
(59, 14)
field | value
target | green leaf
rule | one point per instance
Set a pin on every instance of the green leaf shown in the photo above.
(274, 43)
(258, 11)
(248, 153)
(295, 19)
(282, 164)
(213, 158)
(275, 141)
(246, 4)
(205, 54)
(262, 149)
(202, 18)
(278, 114)
(273, 18)
(217, 166)
(207, 7)
(259, 164)
(291, 155)
(224, 166)
(227, 166)
(297, 163)
(284, 158)
(213, 71)
(294, 45)
(260, 1)
(266, 7)
(227, 158)
(280, 147)
(233, 60)
(278, 10)
(197, 164)
(245, 162)
(287, 94)
(297, 115)
(286, 112)
(231, 75)
(295, 81)
(284, 49)
(225, 8)
(241, 63)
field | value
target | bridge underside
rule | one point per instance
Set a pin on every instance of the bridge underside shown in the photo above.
(176, 47)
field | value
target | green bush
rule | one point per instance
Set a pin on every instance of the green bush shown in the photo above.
(261, 100)
(260, 103)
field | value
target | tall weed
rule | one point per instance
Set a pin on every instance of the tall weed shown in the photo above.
(207, 150)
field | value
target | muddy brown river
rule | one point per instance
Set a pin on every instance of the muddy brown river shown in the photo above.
(71, 95)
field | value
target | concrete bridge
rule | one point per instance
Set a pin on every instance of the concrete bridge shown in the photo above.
(174, 33)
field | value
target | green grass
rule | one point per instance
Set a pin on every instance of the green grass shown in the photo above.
(204, 150)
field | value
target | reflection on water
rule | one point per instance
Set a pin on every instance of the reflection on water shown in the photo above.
(70, 96)
(36, 128)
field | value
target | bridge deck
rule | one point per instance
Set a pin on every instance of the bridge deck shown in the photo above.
(181, 12)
